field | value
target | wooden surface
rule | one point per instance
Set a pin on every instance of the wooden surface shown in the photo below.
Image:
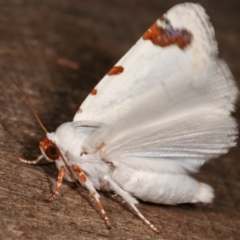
(58, 50)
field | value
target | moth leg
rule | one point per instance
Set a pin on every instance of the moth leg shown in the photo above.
(31, 161)
(88, 184)
(130, 200)
(144, 219)
(59, 183)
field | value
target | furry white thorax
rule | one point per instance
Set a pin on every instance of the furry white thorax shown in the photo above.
(69, 138)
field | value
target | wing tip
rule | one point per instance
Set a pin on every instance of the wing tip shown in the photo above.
(194, 18)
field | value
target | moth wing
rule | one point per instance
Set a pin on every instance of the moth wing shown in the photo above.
(187, 43)
(170, 104)
(186, 120)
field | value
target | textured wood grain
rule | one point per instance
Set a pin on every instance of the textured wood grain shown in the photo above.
(58, 51)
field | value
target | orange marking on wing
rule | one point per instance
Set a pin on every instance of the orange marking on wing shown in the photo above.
(94, 91)
(165, 37)
(115, 70)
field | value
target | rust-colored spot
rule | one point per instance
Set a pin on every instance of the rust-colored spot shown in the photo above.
(79, 110)
(83, 177)
(169, 36)
(115, 70)
(77, 169)
(94, 91)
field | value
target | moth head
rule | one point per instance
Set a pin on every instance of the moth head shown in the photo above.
(49, 150)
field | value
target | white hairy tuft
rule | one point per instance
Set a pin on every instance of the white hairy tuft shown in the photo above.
(204, 194)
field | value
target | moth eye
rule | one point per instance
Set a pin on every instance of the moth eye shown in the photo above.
(52, 152)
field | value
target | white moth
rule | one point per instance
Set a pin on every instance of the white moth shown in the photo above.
(159, 114)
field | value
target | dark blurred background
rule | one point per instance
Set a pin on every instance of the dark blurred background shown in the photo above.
(58, 51)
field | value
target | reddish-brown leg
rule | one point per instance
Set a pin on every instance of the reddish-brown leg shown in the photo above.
(59, 183)
(88, 184)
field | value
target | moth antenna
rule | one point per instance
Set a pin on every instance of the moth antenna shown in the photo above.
(28, 101)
